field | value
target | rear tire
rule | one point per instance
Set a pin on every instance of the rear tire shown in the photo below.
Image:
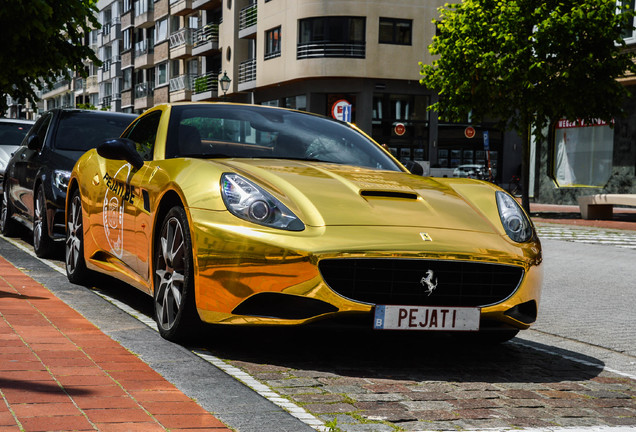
(76, 270)
(8, 226)
(174, 303)
(42, 243)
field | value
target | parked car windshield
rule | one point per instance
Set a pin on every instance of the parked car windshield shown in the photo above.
(81, 131)
(12, 134)
(242, 131)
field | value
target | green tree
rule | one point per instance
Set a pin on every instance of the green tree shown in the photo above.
(40, 40)
(529, 63)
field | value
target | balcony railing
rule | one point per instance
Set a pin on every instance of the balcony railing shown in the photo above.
(247, 71)
(182, 82)
(207, 33)
(143, 6)
(144, 47)
(207, 82)
(247, 17)
(330, 49)
(143, 90)
(181, 37)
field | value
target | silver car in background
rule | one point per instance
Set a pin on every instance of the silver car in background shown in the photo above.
(12, 132)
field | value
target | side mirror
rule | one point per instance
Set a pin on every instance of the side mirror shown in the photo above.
(414, 167)
(121, 149)
(33, 142)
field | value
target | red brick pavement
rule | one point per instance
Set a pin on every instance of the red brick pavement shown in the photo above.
(59, 372)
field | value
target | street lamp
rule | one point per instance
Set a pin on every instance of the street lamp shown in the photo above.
(225, 83)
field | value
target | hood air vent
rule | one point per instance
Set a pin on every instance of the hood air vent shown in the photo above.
(388, 194)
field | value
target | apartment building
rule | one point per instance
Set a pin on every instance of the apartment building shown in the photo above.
(352, 60)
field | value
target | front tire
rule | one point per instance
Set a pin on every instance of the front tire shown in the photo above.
(174, 302)
(76, 270)
(42, 243)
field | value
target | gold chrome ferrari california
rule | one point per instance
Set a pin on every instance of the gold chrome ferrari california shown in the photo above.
(251, 215)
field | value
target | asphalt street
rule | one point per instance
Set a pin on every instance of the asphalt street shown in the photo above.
(575, 368)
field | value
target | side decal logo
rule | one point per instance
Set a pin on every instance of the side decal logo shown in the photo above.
(117, 195)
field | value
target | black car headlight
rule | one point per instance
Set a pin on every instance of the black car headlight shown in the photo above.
(513, 218)
(250, 202)
(61, 179)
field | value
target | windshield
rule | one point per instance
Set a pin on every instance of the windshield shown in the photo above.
(11, 134)
(249, 131)
(81, 130)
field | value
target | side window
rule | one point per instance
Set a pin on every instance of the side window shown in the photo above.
(143, 132)
(39, 129)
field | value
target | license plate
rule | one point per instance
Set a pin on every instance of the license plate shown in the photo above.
(426, 318)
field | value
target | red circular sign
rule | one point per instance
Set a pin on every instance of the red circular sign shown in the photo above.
(400, 129)
(469, 132)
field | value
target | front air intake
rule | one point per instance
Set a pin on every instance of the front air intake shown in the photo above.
(421, 282)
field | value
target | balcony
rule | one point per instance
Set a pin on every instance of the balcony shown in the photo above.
(180, 7)
(107, 101)
(111, 30)
(247, 22)
(330, 49)
(181, 44)
(247, 75)
(181, 88)
(143, 96)
(144, 13)
(205, 39)
(144, 54)
(206, 4)
(206, 86)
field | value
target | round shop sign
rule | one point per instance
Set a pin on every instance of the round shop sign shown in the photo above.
(341, 110)
(399, 129)
(469, 132)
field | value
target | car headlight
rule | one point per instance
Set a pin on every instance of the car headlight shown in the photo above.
(248, 201)
(61, 178)
(513, 218)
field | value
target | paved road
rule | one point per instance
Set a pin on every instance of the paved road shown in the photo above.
(577, 368)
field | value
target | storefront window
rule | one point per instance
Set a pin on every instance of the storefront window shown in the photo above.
(401, 122)
(582, 153)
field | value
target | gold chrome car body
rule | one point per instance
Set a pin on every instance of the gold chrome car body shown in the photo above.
(246, 273)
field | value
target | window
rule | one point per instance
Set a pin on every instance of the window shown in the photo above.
(332, 36)
(162, 74)
(161, 30)
(628, 32)
(272, 43)
(144, 132)
(395, 31)
(127, 79)
(127, 39)
(582, 153)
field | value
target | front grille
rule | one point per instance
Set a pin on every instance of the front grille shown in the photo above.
(403, 281)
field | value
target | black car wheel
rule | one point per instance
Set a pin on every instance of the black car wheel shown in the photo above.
(76, 270)
(174, 303)
(8, 226)
(42, 243)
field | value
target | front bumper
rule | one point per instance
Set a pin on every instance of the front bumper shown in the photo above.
(258, 276)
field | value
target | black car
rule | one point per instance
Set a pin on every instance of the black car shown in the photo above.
(36, 176)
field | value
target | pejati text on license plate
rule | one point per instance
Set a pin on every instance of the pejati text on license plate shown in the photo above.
(426, 318)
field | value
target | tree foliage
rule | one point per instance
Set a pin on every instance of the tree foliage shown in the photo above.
(528, 63)
(40, 40)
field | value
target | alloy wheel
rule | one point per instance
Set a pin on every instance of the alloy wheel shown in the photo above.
(170, 270)
(74, 235)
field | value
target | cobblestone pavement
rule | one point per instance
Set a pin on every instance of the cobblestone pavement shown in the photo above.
(590, 235)
(360, 382)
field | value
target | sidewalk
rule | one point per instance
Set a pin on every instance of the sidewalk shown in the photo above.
(624, 217)
(59, 372)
